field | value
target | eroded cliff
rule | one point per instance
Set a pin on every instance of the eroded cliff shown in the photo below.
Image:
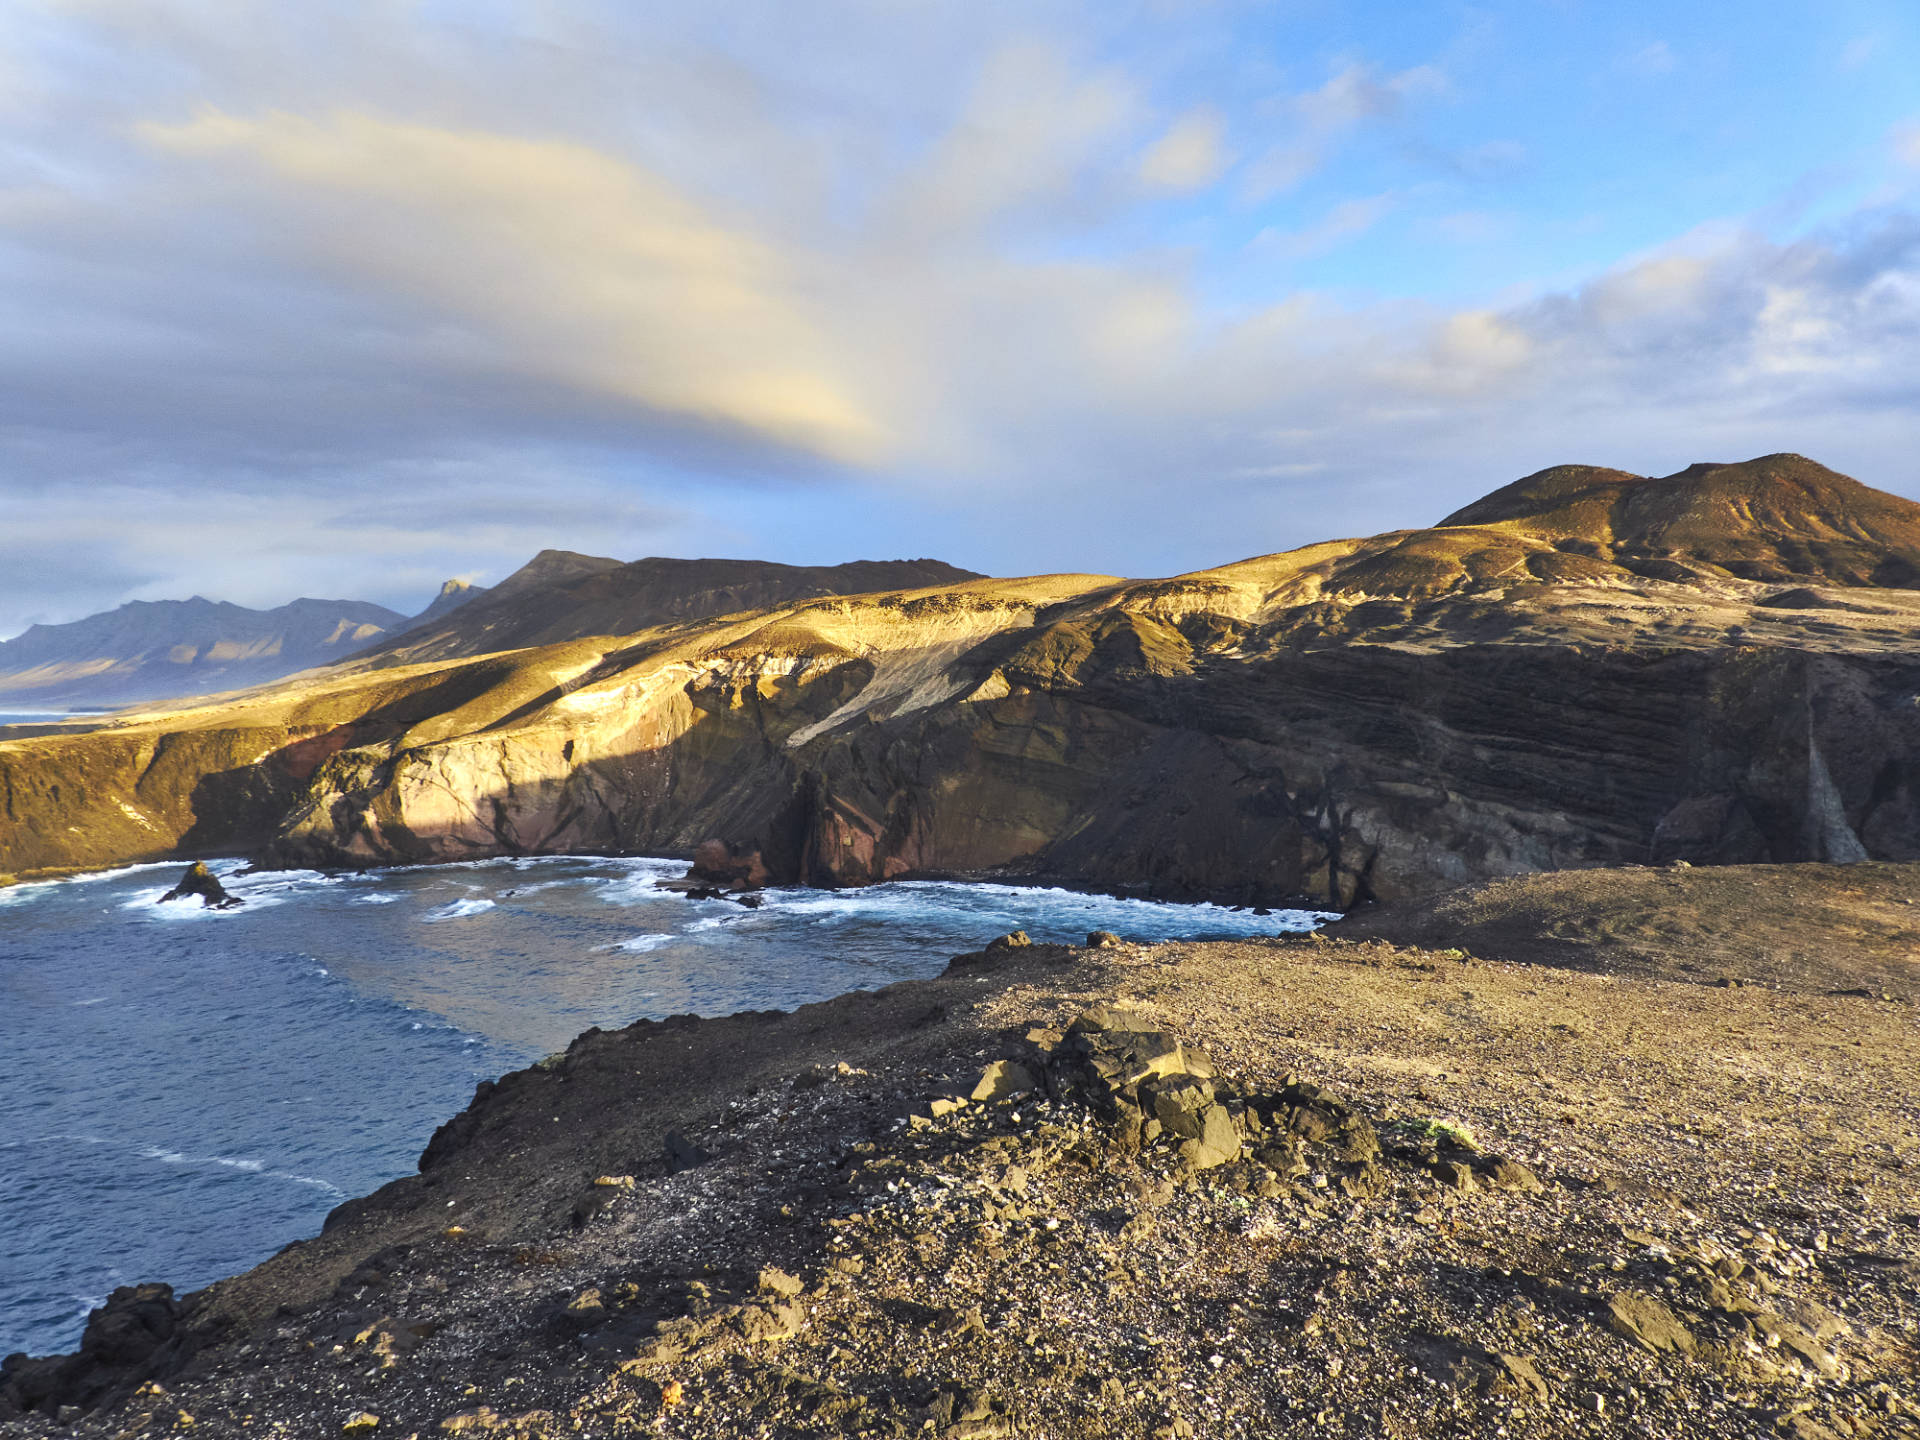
(1544, 686)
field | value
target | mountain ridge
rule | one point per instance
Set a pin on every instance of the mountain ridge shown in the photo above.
(560, 595)
(1373, 718)
(160, 649)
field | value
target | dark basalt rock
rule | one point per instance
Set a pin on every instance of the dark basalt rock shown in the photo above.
(201, 881)
(126, 1342)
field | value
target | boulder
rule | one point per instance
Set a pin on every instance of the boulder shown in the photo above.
(1003, 1079)
(731, 867)
(1217, 1143)
(127, 1341)
(1648, 1322)
(1182, 1104)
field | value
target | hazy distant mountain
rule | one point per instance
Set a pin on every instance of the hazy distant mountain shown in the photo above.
(161, 649)
(559, 595)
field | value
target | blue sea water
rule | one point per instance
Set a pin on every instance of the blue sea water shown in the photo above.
(183, 1091)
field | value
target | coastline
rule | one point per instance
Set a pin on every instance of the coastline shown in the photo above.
(502, 1279)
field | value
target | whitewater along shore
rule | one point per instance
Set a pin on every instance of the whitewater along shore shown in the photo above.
(1584, 669)
(1318, 1185)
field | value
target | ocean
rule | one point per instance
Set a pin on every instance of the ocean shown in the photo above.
(183, 1091)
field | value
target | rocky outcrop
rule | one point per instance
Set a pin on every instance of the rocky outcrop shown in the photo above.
(1528, 689)
(200, 882)
(138, 1333)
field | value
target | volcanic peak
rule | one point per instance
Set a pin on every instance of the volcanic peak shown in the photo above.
(1776, 518)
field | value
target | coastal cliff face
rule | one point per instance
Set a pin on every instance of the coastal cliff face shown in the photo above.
(1568, 679)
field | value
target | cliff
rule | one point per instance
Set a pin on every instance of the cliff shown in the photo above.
(1585, 669)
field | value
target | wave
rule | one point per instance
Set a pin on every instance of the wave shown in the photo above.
(190, 907)
(458, 910)
(244, 1166)
(640, 944)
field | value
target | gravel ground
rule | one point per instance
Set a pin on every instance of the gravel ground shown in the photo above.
(1316, 1187)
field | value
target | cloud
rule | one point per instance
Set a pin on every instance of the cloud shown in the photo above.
(1345, 221)
(1190, 154)
(1906, 144)
(1354, 95)
(554, 260)
(1029, 127)
(1859, 50)
(1358, 92)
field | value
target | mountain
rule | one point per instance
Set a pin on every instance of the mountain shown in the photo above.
(1778, 518)
(453, 594)
(161, 649)
(559, 595)
(1585, 668)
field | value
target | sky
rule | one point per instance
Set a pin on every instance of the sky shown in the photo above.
(345, 297)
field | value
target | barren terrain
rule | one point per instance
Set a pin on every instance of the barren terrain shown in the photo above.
(1443, 1194)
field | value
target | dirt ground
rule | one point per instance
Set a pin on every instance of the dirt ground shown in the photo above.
(1810, 928)
(1446, 1193)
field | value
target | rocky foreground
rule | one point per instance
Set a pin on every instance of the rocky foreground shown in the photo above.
(1308, 1186)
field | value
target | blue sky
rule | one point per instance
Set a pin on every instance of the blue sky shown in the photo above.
(343, 298)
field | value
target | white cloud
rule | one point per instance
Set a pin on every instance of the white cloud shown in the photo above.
(1906, 144)
(1191, 153)
(1030, 126)
(556, 259)
(1345, 221)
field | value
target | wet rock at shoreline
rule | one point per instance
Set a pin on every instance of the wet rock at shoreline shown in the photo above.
(201, 881)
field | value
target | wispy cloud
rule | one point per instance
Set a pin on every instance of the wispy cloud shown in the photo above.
(1316, 121)
(1906, 144)
(552, 260)
(1345, 221)
(1191, 153)
(1859, 50)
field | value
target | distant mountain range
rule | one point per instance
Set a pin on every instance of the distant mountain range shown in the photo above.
(172, 649)
(162, 649)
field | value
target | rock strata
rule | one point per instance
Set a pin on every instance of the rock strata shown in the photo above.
(1592, 669)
